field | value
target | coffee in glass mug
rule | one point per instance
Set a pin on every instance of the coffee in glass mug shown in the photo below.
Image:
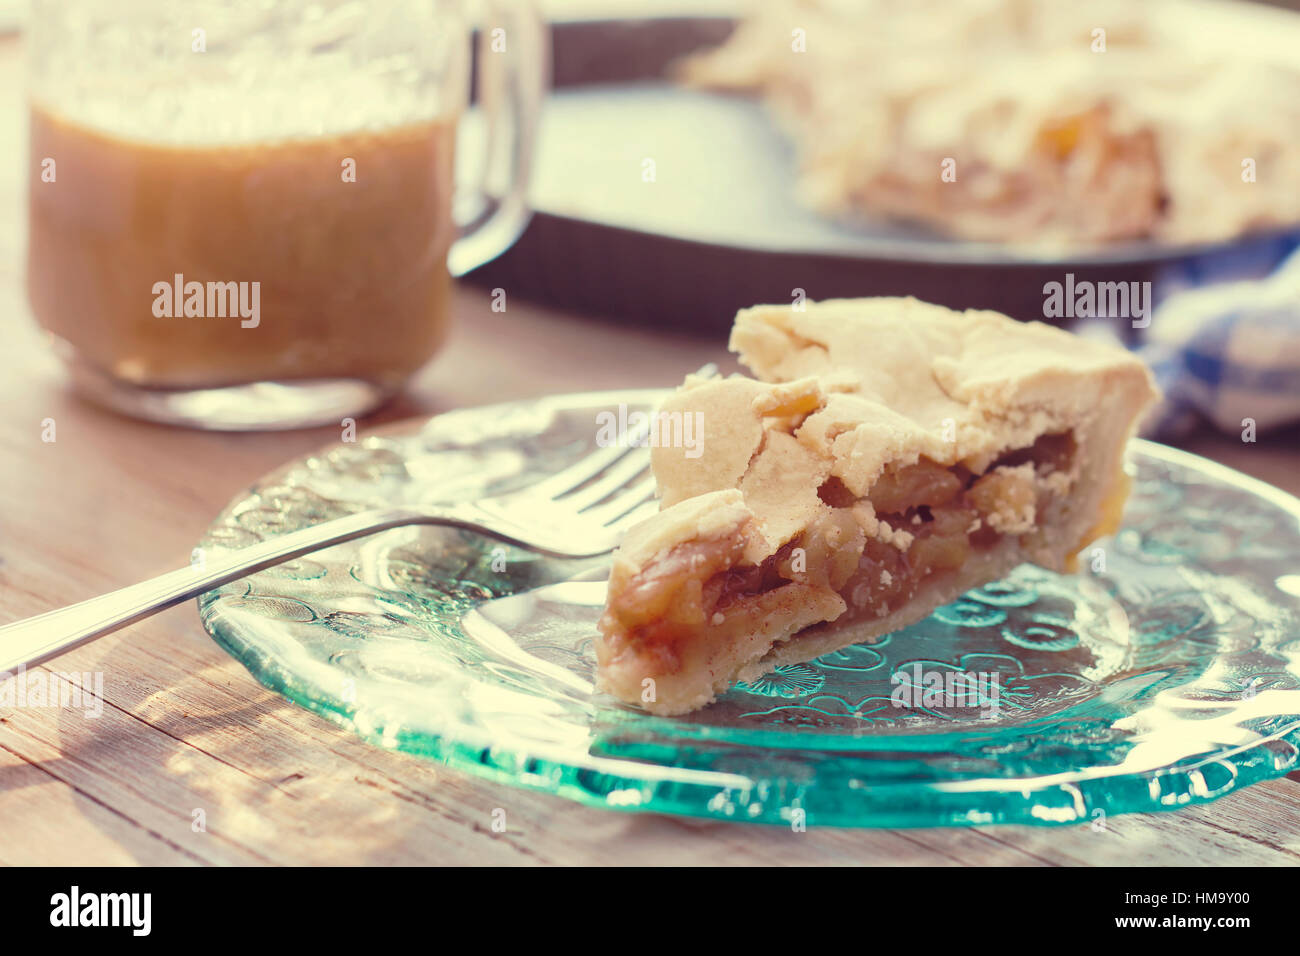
(246, 215)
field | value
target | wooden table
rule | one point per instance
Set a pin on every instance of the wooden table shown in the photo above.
(185, 728)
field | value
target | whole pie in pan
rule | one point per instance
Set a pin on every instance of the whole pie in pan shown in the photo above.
(888, 456)
(1031, 121)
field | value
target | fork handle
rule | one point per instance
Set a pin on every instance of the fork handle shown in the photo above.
(36, 639)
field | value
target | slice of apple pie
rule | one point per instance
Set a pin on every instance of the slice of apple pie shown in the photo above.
(891, 455)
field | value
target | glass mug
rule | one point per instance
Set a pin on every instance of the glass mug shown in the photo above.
(242, 214)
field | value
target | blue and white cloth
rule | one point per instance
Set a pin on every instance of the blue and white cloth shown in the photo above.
(1227, 351)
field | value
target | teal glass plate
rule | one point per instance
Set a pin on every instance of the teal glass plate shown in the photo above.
(1165, 673)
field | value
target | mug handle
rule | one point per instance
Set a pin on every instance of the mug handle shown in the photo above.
(512, 73)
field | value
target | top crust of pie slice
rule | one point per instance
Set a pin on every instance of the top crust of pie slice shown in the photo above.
(890, 455)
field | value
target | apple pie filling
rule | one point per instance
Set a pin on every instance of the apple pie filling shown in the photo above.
(862, 559)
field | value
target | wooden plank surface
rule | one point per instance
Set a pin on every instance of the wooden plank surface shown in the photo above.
(186, 734)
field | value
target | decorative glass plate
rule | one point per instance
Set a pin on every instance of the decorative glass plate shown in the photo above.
(1166, 672)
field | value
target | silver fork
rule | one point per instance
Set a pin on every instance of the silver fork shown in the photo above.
(579, 512)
